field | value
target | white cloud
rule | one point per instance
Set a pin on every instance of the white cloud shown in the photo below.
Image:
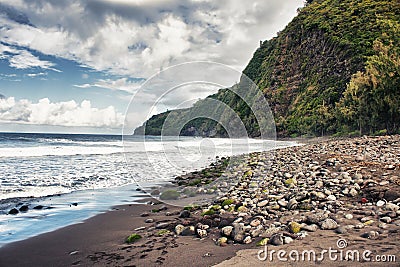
(36, 74)
(122, 84)
(23, 59)
(138, 38)
(67, 113)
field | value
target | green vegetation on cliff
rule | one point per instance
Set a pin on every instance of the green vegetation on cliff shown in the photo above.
(333, 69)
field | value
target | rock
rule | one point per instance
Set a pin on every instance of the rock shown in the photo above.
(24, 208)
(382, 225)
(238, 232)
(283, 203)
(341, 230)
(309, 228)
(370, 222)
(184, 214)
(287, 240)
(331, 198)
(319, 195)
(255, 223)
(271, 231)
(179, 229)
(328, 224)
(316, 218)
(319, 184)
(162, 225)
(380, 203)
(391, 195)
(391, 207)
(353, 192)
(155, 192)
(262, 203)
(188, 231)
(201, 233)
(169, 195)
(371, 235)
(247, 240)
(202, 226)
(38, 207)
(365, 219)
(292, 204)
(294, 227)
(359, 226)
(348, 216)
(144, 214)
(263, 242)
(390, 167)
(226, 231)
(149, 220)
(257, 232)
(386, 219)
(222, 241)
(276, 240)
(13, 211)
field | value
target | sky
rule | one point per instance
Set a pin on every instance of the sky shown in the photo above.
(75, 66)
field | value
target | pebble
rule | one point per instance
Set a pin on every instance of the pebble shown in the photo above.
(348, 216)
(328, 224)
(294, 227)
(386, 219)
(238, 232)
(331, 198)
(149, 220)
(184, 214)
(262, 203)
(188, 231)
(227, 230)
(371, 235)
(316, 218)
(255, 222)
(222, 241)
(247, 240)
(391, 207)
(310, 228)
(201, 233)
(179, 229)
(380, 203)
(162, 225)
(341, 230)
(287, 240)
(276, 240)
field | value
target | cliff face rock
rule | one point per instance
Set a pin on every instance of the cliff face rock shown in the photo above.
(333, 69)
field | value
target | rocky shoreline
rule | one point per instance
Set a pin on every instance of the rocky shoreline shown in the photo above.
(291, 198)
(348, 186)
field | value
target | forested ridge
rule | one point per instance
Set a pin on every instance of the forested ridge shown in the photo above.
(334, 70)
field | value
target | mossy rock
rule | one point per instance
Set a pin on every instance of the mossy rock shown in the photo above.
(291, 182)
(163, 232)
(194, 182)
(191, 207)
(216, 207)
(208, 212)
(133, 238)
(242, 209)
(169, 195)
(227, 202)
(294, 227)
(262, 242)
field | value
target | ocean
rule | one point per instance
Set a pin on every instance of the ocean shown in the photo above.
(75, 176)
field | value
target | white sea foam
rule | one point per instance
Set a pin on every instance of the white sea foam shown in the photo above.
(38, 151)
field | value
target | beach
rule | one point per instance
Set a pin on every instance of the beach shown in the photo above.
(298, 198)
